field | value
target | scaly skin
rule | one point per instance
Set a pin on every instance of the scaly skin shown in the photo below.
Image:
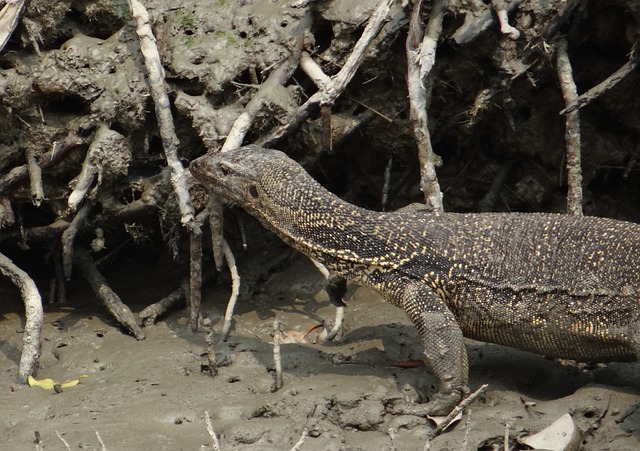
(557, 285)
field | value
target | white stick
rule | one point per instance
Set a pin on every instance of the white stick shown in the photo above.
(214, 438)
(158, 90)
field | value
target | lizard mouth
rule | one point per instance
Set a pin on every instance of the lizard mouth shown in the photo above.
(211, 173)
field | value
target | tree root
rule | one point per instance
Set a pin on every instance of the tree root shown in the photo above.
(34, 316)
(105, 293)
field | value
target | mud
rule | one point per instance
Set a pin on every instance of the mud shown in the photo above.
(76, 65)
(152, 394)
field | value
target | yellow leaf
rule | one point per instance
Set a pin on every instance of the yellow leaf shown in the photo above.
(72, 383)
(47, 384)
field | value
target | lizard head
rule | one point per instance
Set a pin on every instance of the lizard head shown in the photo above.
(250, 176)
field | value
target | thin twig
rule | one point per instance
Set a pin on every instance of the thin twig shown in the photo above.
(572, 132)
(215, 444)
(158, 91)
(64, 442)
(387, 183)
(337, 324)
(540, 44)
(330, 93)
(602, 87)
(467, 429)
(459, 408)
(101, 442)
(277, 359)
(506, 437)
(33, 313)
(300, 441)
(235, 289)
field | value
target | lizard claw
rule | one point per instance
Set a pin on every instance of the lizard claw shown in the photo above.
(440, 405)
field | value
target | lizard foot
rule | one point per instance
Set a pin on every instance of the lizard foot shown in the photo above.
(440, 405)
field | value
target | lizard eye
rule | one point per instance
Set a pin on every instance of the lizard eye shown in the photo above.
(253, 191)
(224, 169)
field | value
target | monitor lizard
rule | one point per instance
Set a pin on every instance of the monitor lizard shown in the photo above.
(557, 285)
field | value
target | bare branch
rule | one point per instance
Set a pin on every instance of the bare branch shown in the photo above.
(572, 132)
(420, 60)
(158, 90)
(603, 86)
(330, 93)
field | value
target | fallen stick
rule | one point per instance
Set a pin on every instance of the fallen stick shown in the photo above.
(101, 442)
(331, 92)
(572, 132)
(158, 91)
(64, 442)
(301, 440)
(105, 294)
(459, 408)
(33, 313)
(215, 444)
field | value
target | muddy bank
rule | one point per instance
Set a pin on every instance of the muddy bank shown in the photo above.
(152, 394)
(75, 102)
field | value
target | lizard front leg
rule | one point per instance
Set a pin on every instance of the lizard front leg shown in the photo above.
(444, 351)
